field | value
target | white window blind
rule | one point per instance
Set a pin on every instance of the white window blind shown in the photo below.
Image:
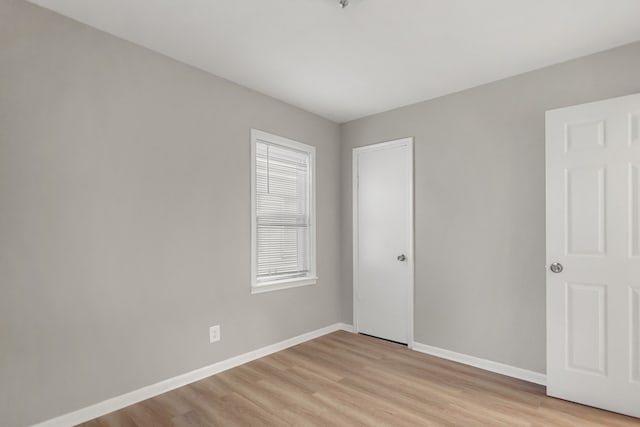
(283, 234)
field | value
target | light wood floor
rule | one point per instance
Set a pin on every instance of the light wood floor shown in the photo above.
(343, 379)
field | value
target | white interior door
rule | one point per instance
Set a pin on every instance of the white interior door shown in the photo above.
(383, 240)
(593, 234)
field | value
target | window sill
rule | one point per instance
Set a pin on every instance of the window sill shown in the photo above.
(283, 284)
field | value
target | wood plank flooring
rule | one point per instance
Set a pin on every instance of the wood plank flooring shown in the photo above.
(343, 379)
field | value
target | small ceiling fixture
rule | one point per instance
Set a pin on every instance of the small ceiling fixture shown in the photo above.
(343, 3)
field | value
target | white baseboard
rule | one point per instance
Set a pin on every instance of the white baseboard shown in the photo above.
(345, 327)
(122, 401)
(487, 365)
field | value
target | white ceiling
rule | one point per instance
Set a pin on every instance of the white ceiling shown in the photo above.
(374, 55)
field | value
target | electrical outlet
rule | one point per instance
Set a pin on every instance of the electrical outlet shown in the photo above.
(214, 333)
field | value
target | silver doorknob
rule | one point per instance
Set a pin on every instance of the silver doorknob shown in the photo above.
(402, 258)
(556, 267)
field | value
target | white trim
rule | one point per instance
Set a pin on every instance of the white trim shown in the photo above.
(410, 250)
(105, 407)
(411, 231)
(311, 278)
(487, 365)
(284, 284)
(345, 327)
(257, 134)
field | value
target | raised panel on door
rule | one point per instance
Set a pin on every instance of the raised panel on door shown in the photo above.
(634, 128)
(634, 333)
(587, 135)
(586, 327)
(634, 210)
(585, 211)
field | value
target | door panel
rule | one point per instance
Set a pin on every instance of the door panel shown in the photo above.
(634, 210)
(634, 128)
(382, 233)
(585, 212)
(585, 136)
(593, 222)
(586, 334)
(634, 310)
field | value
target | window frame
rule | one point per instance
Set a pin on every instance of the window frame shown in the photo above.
(311, 278)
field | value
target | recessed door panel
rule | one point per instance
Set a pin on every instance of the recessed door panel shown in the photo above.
(634, 210)
(586, 333)
(583, 136)
(585, 211)
(634, 128)
(634, 333)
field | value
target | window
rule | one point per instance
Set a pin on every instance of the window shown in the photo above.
(283, 213)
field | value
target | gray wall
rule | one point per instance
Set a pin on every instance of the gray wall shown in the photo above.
(479, 203)
(125, 220)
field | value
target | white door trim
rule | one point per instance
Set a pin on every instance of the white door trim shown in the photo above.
(410, 256)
